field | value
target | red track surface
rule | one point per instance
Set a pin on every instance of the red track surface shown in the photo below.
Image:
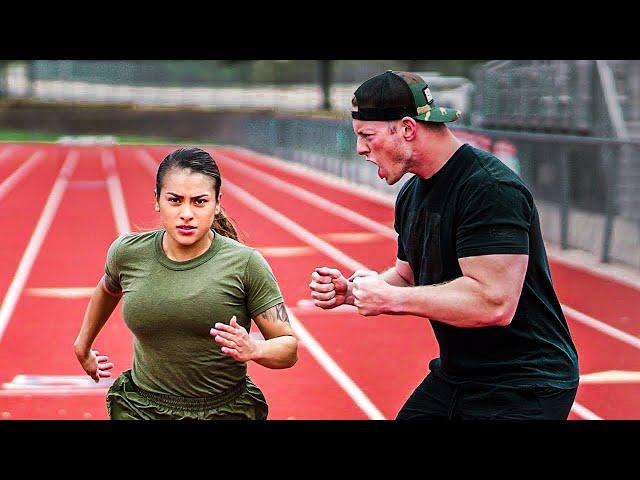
(384, 357)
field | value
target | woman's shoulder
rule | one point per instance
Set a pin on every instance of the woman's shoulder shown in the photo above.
(134, 241)
(234, 246)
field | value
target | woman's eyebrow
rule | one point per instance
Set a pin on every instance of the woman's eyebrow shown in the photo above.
(182, 196)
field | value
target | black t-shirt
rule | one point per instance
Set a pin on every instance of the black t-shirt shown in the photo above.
(475, 205)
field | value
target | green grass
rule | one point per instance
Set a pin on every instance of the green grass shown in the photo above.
(21, 136)
(28, 136)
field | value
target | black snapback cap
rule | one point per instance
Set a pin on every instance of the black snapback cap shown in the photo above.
(393, 95)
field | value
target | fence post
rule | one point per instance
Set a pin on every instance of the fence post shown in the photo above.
(565, 179)
(611, 166)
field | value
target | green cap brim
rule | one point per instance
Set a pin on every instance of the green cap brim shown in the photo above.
(439, 114)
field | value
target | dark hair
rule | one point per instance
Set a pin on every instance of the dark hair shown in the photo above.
(199, 161)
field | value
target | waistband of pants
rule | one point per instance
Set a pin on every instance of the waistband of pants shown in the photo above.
(194, 403)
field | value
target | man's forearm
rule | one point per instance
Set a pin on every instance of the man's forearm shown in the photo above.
(392, 277)
(461, 302)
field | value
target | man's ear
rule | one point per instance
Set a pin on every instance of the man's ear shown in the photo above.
(409, 128)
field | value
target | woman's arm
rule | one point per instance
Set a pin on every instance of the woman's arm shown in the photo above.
(103, 301)
(279, 349)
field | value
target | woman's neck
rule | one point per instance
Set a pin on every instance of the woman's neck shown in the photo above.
(181, 253)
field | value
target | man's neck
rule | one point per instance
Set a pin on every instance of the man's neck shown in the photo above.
(435, 153)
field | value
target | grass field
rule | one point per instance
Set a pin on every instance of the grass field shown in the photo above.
(31, 136)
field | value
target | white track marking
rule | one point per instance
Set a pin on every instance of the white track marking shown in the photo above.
(285, 251)
(27, 392)
(115, 192)
(351, 237)
(20, 173)
(324, 359)
(69, 292)
(292, 227)
(584, 412)
(611, 376)
(310, 197)
(602, 327)
(37, 237)
(6, 153)
(322, 177)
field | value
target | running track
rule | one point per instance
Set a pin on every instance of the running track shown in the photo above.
(62, 205)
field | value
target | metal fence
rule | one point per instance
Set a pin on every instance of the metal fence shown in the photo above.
(575, 180)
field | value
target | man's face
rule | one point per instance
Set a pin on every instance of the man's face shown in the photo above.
(382, 143)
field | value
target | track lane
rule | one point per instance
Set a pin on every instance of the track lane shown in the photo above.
(265, 236)
(38, 340)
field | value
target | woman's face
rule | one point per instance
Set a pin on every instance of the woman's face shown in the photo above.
(187, 205)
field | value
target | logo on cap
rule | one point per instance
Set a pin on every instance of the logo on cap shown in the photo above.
(427, 94)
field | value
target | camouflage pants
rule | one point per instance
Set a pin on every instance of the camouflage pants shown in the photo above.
(126, 401)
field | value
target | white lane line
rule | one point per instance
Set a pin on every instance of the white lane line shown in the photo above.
(66, 292)
(20, 173)
(116, 196)
(611, 376)
(584, 412)
(292, 227)
(6, 153)
(322, 177)
(37, 237)
(602, 327)
(324, 359)
(321, 356)
(28, 392)
(147, 161)
(310, 197)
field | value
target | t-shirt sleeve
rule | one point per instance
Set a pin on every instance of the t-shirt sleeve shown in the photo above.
(111, 268)
(494, 219)
(262, 290)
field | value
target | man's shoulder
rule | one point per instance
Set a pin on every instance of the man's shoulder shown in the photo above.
(489, 172)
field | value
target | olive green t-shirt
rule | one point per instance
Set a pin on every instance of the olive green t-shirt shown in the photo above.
(475, 205)
(170, 307)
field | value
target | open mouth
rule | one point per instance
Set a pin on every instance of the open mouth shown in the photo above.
(186, 229)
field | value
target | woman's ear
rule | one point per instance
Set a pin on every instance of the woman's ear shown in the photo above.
(218, 204)
(157, 206)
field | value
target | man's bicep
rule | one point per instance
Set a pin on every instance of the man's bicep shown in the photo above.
(274, 322)
(502, 274)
